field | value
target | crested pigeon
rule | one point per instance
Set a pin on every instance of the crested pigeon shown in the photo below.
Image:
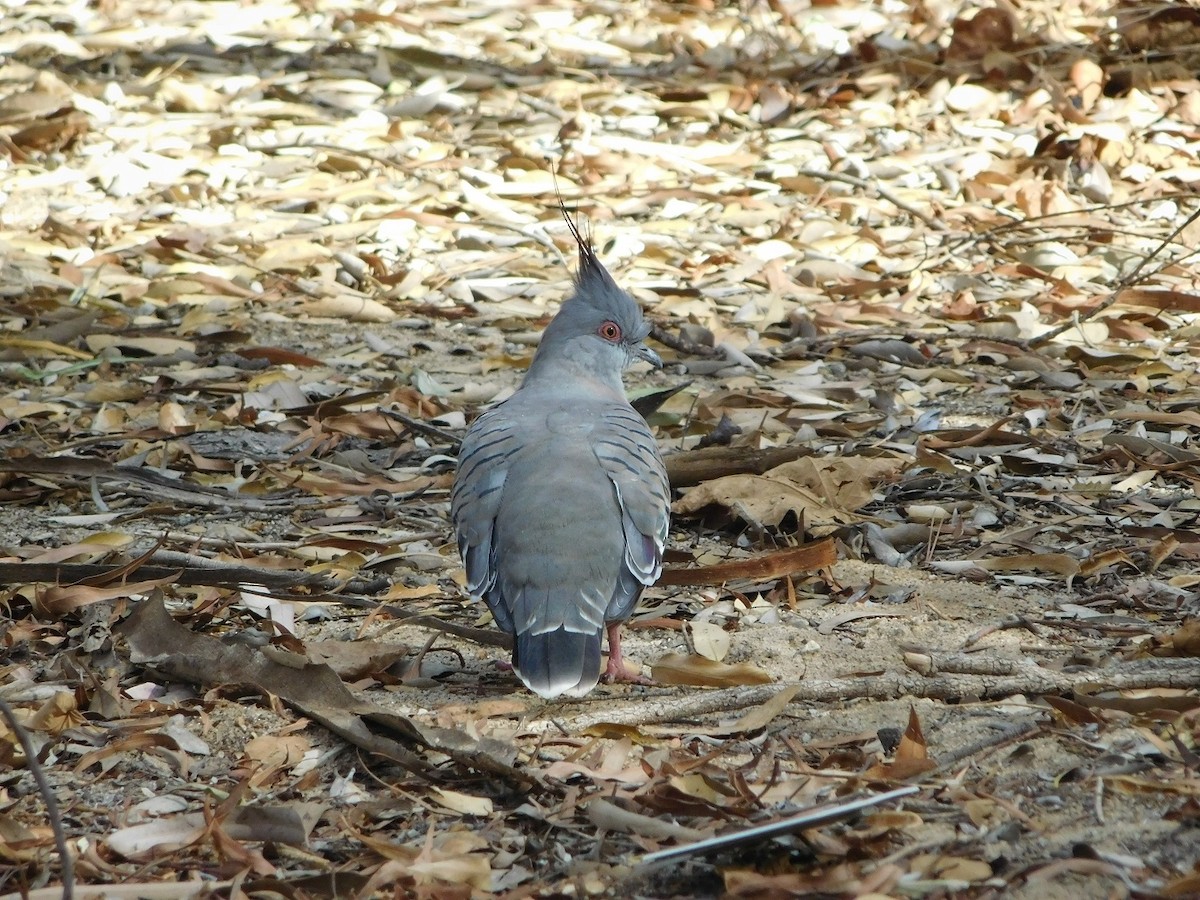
(561, 502)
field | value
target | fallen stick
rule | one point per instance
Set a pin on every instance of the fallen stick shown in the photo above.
(690, 704)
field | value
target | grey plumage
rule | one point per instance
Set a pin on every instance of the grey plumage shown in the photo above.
(561, 501)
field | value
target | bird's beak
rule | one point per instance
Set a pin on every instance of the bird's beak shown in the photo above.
(641, 351)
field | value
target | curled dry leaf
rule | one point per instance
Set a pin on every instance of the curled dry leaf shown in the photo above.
(354, 309)
(911, 757)
(937, 867)
(708, 639)
(820, 492)
(458, 802)
(57, 714)
(275, 751)
(675, 668)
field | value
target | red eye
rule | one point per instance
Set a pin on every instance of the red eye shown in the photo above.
(610, 331)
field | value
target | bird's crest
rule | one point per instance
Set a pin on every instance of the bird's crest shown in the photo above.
(589, 262)
(593, 285)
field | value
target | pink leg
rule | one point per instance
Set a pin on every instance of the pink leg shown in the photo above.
(615, 670)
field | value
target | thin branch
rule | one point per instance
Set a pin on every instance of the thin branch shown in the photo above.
(52, 811)
(488, 637)
(424, 428)
(1015, 732)
(681, 344)
(199, 571)
(672, 706)
(880, 191)
(1046, 220)
(1124, 284)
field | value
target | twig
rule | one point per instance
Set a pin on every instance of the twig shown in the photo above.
(819, 344)
(1045, 221)
(671, 706)
(200, 571)
(691, 467)
(1013, 621)
(423, 428)
(136, 479)
(489, 637)
(52, 811)
(1124, 284)
(882, 192)
(1006, 735)
(681, 344)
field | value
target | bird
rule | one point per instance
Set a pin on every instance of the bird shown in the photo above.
(561, 503)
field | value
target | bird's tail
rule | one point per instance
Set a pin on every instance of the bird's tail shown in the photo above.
(558, 662)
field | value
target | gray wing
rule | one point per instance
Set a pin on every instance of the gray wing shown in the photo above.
(483, 466)
(629, 456)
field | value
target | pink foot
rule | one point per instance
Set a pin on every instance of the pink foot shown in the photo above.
(615, 670)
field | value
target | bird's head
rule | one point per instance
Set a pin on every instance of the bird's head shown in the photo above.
(599, 326)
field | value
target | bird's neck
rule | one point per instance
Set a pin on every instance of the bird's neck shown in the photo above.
(572, 375)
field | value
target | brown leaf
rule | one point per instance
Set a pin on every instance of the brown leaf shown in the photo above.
(59, 601)
(60, 130)
(675, 668)
(911, 757)
(936, 867)
(1186, 638)
(1074, 712)
(973, 38)
(352, 660)
(318, 693)
(57, 714)
(805, 558)
(279, 356)
(818, 492)
(1160, 298)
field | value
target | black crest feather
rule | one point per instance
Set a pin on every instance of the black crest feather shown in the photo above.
(589, 262)
(594, 286)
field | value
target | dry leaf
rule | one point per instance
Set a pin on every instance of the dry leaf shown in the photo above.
(674, 668)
